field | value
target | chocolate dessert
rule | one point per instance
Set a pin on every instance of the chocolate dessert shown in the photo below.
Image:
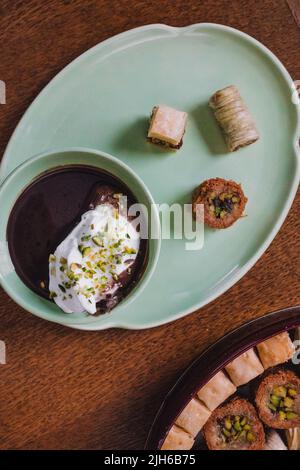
(59, 256)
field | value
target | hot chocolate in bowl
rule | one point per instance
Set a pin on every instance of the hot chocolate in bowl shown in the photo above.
(47, 211)
(42, 212)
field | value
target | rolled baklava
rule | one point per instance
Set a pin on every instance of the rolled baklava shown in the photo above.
(234, 426)
(278, 400)
(234, 118)
(274, 442)
(224, 202)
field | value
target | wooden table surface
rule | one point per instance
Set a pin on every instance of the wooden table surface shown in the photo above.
(69, 389)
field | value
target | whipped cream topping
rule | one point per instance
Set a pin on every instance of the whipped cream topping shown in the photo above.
(86, 266)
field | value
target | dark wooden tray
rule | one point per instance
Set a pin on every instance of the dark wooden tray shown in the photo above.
(213, 359)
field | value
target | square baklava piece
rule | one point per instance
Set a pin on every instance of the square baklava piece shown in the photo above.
(193, 417)
(244, 368)
(167, 126)
(178, 439)
(217, 390)
(276, 350)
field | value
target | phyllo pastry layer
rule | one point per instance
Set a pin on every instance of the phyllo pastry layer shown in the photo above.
(274, 442)
(178, 439)
(167, 126)
(244, 368)
(193, 417)
(234, 118)
(276, 350)
(216, 391)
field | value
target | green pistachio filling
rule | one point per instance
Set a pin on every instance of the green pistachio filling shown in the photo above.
(282, 402)
(236, 427)
(222, 204)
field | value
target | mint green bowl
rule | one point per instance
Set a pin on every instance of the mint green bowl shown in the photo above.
(13, 186)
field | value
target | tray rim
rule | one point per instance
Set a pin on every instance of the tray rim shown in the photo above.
(243, 337)
(169, 30)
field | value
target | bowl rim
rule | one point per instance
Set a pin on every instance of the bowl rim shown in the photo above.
(213, 359)
(105, 321)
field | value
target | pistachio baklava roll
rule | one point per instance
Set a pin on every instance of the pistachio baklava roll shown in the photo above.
(224, 202)
(278, 400)
(234, 426)
(234, 118)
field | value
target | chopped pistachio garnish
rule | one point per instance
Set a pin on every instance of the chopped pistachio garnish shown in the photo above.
(53, 271)
(250, 437)
(228, 424)
(86, 251)
(103, 253)
(75, 266)
(291, 415)
(98, 241)
(85, 238)
(217, 211)
(52, 258)
(222, 204)
(129, 251)
(280, 391)
(282, 401)
(236, 427)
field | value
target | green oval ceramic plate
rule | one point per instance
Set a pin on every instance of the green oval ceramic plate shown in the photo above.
(103, 99)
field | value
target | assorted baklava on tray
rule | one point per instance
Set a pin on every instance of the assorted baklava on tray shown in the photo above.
(91, 260)
(167, 125)
(252, 404)
(223, 200)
